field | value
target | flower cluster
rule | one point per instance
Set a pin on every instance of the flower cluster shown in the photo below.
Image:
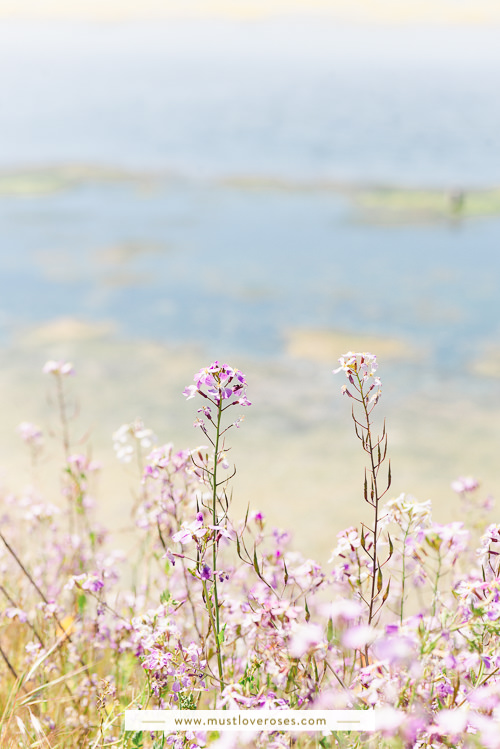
(360, 368)
(128, 437)
(217, 383)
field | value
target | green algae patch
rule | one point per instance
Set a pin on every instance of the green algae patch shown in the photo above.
(30, 184)
(392, 205)
(34, 182)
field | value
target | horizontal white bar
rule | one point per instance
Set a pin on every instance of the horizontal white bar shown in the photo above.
(249, 720)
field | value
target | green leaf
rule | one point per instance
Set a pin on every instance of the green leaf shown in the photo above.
(165, 597)
(81, 601)
(221, 635)
(329, 630)
(379, 580)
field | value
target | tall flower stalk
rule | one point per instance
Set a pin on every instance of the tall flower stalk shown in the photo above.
(365, 389)
(223, 387)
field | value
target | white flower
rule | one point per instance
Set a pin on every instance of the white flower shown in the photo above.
(62, 368)
(124, 436)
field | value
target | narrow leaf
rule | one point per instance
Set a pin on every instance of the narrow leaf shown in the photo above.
(379, 580)
(255, 562)
(329, 630)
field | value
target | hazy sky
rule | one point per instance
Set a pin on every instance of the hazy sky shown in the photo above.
(454, 11)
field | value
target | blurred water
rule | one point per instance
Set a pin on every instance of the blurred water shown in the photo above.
(196, 260)
(240, 268)
(302, 98)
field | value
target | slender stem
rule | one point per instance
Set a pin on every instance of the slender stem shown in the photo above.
(211, 617)
(403, 575)
(375, 498)
(8, 664)
(63, 415)
(435, 591)
(66, 445)
(21, 565)
(214, 548)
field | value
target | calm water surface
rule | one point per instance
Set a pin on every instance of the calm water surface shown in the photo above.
(193, 259)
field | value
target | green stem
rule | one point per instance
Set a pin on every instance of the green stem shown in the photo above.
(214, 549)
(214, 627)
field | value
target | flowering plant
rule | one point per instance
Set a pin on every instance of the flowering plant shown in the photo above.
(404, 618)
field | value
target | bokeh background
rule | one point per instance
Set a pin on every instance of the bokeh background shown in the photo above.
(268, 183)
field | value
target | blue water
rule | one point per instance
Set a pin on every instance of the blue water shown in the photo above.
(238, 267)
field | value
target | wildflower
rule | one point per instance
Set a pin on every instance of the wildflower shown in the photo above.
(396, 650)
(87, 581)
(388, 720)
(137, 431)
(30, 433)
(223, 531)
(170, 556)
(190, 531)
(464, 484)
(60, 368)
(306, 637)
(360, 368)
(217, 383)
(453, 535)
(364, 364)
(343, 610)
(12, 612)
(206, 572)
(451, 722)
(357, 637)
